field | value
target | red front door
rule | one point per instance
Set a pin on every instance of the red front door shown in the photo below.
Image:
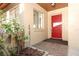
(57, 26)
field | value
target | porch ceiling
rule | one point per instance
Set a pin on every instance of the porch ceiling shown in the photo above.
(46, 6)
(3, 5)
(49, 6)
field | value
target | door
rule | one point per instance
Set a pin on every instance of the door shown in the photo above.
(57, 26)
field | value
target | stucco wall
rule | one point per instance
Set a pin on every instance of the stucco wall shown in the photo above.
(36, 35)
(64, 12)
(73, 27)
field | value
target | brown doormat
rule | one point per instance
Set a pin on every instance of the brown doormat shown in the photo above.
(59, 41)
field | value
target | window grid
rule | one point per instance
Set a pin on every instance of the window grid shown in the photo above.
(38, 20)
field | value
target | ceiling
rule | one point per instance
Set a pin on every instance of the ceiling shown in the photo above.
(46, 6)
(3, 5)
(49, 6)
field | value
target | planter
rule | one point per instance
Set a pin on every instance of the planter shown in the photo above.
(21, 44)
(32, 51)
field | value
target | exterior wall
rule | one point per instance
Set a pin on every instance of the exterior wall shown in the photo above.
(73, 28)
(64, 12)
(36, 35)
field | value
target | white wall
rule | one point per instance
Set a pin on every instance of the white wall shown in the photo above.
(39, 35)
(73, 26)
(64, 12)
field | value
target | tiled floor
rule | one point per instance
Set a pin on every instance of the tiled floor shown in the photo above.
(53, 48)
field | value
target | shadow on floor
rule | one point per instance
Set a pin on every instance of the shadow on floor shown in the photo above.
(54, 47)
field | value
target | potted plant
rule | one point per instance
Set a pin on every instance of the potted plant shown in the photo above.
(14, 32)
(13, 29)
